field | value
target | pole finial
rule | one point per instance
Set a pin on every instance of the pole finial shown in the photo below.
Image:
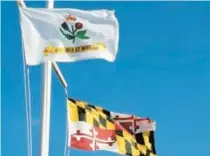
(21, 3)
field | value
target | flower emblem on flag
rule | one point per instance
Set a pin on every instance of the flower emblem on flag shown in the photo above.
(73, 32)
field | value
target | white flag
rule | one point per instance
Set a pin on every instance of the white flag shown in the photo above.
(67, 35)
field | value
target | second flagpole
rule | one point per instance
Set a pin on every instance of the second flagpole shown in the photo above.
(46, 102)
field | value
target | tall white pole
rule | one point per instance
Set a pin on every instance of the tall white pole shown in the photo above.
(45, 114)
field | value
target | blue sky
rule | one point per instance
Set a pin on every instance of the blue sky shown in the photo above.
(162, 71)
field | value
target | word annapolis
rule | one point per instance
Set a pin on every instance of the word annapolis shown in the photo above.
(86, 48)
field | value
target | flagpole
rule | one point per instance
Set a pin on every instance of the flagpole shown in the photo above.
(45, 112)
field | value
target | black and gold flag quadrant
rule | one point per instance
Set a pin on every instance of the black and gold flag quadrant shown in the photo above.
(93, 115)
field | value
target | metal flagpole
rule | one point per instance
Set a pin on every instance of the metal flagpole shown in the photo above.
(45, 116)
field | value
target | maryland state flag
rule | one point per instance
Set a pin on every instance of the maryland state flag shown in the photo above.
(94, 128)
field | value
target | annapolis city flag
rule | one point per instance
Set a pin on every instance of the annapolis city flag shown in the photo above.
(68, 35)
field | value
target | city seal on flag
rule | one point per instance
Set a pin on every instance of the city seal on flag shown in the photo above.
(75, 30)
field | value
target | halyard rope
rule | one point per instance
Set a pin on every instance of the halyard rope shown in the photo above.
(28, 105)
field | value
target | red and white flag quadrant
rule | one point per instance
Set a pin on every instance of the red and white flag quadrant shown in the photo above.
(84, 136)
(134, 124)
